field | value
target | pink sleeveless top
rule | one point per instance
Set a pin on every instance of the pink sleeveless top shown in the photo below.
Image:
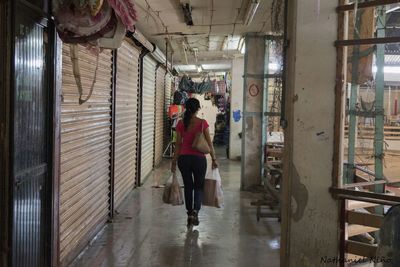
(188, 137)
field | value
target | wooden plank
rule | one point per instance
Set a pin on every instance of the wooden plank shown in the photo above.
(375, 3)
(367, 195)
(361, 249)
(354, 258)
(365, 170)
(392, 138)
(273, 152)
(366, 41)
(341, 65)
(356, 229)
(364, 184)
(354, 204)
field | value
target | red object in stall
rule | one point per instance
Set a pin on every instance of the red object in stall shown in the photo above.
(175, 110)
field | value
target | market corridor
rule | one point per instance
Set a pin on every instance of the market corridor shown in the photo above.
(146, 232)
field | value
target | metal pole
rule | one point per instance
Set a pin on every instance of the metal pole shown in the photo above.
(352, 104)
(265, 106)
(379, 99)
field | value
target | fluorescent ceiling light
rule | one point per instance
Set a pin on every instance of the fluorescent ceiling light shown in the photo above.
(392, 9)
(250, 12)
(186, 67)
(216, 66)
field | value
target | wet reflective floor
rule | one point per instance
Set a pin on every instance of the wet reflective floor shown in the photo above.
(146, 232)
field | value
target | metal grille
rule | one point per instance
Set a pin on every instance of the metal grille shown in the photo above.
(159, 116)
(5, 37)
(30, 141)
(148, 102)
(126, 117)
(85, 151)
(168, 96)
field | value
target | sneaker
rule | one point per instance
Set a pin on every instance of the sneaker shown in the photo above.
(195, 218)
(190, 219)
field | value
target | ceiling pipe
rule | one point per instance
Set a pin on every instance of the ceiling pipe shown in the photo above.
(156, 52)
(250, 12)
(224, 43)
(143, 40)
(161, 57)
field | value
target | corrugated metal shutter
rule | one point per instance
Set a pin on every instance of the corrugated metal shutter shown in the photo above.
(160, 116)
(85, 152)
(30, 142)
(126, 120)
(148, 102)
(168, 97)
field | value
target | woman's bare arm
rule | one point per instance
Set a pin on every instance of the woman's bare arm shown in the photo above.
(210, 144)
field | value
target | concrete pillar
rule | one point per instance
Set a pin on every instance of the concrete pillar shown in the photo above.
(310, 214)
(236, 121)
(253, 111)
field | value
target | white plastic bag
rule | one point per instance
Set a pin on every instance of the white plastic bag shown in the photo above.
(173, 193)
(220, 194)
(213, 195)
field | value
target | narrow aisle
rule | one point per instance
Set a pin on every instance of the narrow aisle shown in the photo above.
(147, 232)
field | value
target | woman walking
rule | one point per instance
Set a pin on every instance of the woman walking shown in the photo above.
(191, 162)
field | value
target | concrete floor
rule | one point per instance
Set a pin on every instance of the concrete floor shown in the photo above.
(147, 232)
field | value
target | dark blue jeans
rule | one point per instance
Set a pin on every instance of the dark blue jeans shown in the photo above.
(193, 169)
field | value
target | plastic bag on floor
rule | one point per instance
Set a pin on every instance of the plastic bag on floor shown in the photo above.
(173, 193)
(213, 195)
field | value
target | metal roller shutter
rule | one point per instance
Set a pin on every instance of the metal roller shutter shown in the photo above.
(126, 120)
(168, 97)
(85, 152)
(159, 116)
(148, 102)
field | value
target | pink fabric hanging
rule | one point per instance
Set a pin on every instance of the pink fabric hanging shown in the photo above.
(125, 9)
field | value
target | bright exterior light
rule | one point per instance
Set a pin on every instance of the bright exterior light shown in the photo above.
(388, 69)
(243, 50)
(393, 9)
(273, 66)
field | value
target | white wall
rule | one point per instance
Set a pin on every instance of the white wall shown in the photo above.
(207, 112)
(235, 143)
(310, 219)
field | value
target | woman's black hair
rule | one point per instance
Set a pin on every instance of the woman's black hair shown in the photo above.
(192, 105)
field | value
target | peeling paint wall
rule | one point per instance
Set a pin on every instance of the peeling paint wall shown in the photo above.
(252, 111)
(235, 142)
(312, 222)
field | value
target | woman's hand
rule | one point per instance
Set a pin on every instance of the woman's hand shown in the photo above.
(173, 166)
(214, 164)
